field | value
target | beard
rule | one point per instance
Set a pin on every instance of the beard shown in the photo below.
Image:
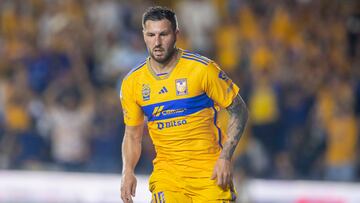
(168, 53)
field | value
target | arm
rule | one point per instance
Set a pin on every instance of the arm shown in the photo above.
(131, 150)
(238, 117)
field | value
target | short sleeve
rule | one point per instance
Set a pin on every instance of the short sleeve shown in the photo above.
(218, 86)
(133, 114)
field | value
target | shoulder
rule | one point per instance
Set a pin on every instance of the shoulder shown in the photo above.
(130, 79)
(136, 70)
(193, 57)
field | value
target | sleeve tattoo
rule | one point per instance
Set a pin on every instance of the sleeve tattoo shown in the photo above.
(238, 117)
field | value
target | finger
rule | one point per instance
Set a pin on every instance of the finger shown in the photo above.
(219, 180)
(127, 200)
(228, 182)
(124, 199)
(230, 177)
(125, 195)
(213, 176)
(226, 179)
(122, 194)
(224, 182)
(133, 189)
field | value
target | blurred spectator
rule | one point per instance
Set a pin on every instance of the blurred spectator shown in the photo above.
(199, 19)
(248, 24)
(16, 118)
(45, 67)
(105, 17)
(119, 59)
(70, 109)
(353, 31)
(227, 43)
(264, 113)
(336, 112)
(31, 151)
(106, 135)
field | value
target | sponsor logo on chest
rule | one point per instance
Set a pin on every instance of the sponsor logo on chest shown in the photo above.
(170, 124)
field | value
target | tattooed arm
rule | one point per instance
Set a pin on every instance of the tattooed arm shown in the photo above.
(238, 117)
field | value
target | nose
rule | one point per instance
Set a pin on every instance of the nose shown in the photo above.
(157, 40)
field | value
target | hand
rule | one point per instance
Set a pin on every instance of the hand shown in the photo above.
(128, 187)
(223, 173)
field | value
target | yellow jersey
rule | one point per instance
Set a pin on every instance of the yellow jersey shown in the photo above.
(342, 139)
(181, 111)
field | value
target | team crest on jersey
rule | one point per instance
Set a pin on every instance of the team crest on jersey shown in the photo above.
(223, 76)
(181, 87)
(146, 92)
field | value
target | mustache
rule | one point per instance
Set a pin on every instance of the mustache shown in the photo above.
(158, 47)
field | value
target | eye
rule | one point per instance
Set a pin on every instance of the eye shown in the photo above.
(150, 34)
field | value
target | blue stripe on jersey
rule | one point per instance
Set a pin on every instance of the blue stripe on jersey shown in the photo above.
(162, 197)
(159, 197)
(194, 59)
(136, 68)
(160, 74)
(219, 131)
(196, 55)
(155, 197)
(176, 108)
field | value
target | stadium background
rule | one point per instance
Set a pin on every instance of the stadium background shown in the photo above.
(297, 63)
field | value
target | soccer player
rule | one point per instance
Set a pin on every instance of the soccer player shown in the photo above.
(179, 92)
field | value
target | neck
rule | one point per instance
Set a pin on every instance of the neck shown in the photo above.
(166, 66)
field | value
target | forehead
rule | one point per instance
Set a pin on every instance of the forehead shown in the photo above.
(158, 25)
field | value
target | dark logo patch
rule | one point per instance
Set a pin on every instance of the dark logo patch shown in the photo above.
(163, 90)
(223, 76)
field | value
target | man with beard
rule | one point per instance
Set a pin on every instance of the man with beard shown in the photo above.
(180, 93)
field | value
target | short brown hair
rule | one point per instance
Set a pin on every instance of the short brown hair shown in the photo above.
(156, 13)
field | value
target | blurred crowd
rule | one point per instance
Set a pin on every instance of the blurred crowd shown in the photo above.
(297, 63)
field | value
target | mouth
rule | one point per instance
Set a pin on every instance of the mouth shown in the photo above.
(158, 51)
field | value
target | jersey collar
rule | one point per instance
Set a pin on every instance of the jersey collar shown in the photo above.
(163, 76)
